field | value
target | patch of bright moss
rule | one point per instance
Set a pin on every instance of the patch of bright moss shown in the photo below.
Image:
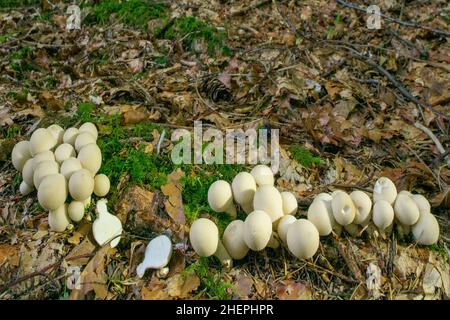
(303, 156)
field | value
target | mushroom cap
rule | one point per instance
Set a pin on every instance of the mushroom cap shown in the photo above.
(28, 172)
(44, 169)
(70, 166)
(204, 237)
(319, 216)
(90, 157)
(363, 206)
(289, 203)
(263, 175)
(101, 185)
(70, 136)
(220, 196)
(41, 140)
(81, 185)
(52, 192)
(243, 187)
(383, 214)
(343, 208)
(58, 219)
(57, 132)
(406, 210)
(43, 156)
(384, 189)
(63, 152)
(302, 239)
(90, 128)
(283, 226)
(83, 139)
(20, 154)
(421, 203)
(25, 188)
(405, 192)
(324, 197)
(233, 240)
(268, 199)
(257, 230)
(426, 230)
(76, 210)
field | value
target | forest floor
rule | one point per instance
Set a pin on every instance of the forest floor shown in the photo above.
(352, 104)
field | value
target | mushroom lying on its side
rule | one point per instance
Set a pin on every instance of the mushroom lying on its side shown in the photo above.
(157, 255)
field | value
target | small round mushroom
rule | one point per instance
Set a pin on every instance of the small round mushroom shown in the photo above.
(383, 214)
(343, 208)
(83, 139)
(233, 240)
(263, 175)
(81, 185)
(426, 230)
(283, 226)
(28, 172)
(70, 136)
(290, 204)
(90, 157)
(57, 132)
(319, 215)
(41, 140)
(76, 210)
(90, 128)
(302, 239)
(384, 189)
(406, 210)
(70, 166)
(268, 199)
(220, 198)
(244, 187)
(44, 169)
(421, 203)
(157, 256)
(63, 152)
(25, 188)
(43, 156)
(257, 230)
(101, 185)
(52, 192)
(20, 154)
(363, 206)
(58, 219)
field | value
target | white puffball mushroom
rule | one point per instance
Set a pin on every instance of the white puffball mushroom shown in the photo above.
(70, 166)
(43, 156)
(263, 175)
(41, 140)
(58, 219)
(257, 230)
(52, 192)
(25, 188)
(63, 152)
(107, 228)
(343, 208)
(406, 210)
(319, 215)
(20, 154)
(83, 139)
(363, 206)
(268, 199)
(283, 226)
(90, 157)
(28, 172)
(421, 203)
(220, 198)
(44, 169)
(157, 256)
(81, 185)
(76, 210)
(101, 185)
(302, 239)
(384, 189)
(90, 128)
(233, 240)
(426, 230)
(290, 204)
(57, 132)
(383, 214)
(70, 136)
(244, 188)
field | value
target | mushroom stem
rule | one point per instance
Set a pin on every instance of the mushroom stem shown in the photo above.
(223, 256)
(231, 210)
(247, 207)
(273, 242)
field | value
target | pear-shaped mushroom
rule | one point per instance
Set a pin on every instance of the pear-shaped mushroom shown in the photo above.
(384, 189)
(319, 215)
(263, 175)
(41, 140)
(107, 228)
(101, 185)
(63, 152)
(406, 210)
(76, 210)
(70, 166)
(220, 198)
(90, 128)
(289, 202)
(283, 226)
(90, 157)
(257, 230)
(426, 230)
(57, 132)
(343, 208)
(233, 240)
(268, 199)
(302, 239)
(58, 220)
(44, 169)
(421, 203)
(28, 172)
(363, 206)
(383, 214)
(81, 185)
(25, 189)
(83, 139)
(157, 255)
(20, 154)
(52, 192)
(70, 136)
(244, 187)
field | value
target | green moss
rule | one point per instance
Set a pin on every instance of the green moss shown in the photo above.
(84, 111)
(440, 250)
(303, 156)
(18, 3)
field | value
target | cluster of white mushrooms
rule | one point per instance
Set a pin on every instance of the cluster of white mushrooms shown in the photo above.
(59, 163)
(271, 216)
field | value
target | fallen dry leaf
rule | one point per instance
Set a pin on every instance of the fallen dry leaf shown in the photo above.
(290, 290)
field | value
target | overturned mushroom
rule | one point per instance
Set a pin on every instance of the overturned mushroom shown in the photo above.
(384, 189)
(220, 198)
(268, 199)
(157, 255)
(244, 187)
(290, 204)
(343, 208)
(263, 175)
(302, 239)
(233, 240)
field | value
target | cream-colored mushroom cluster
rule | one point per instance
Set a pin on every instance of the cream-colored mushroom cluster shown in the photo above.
(62, 166)
(271, 217)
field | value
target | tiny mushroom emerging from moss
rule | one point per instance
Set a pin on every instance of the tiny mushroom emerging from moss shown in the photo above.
(81, 185)
(257, 230)
(70, 136)
(44, 169)
(263, 175)
(283, 226)
(107, 228)
(302, 239)
(76, 210)
(157, 255)
(41, 140)
(220, 198)
(363, 206)
(343, 208)
(384, 189)
(70, 166)
(90, 128)
(52, 192)
(20, 154)
(63, 152)
(244, 187)
(90, 157)
(383, 214)
(101, 185)
(268, 199)
(57, 132)
(290, 204)
(58, 219)
(83, 139)
(426, 230)
(233, 240)
(406, 210)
